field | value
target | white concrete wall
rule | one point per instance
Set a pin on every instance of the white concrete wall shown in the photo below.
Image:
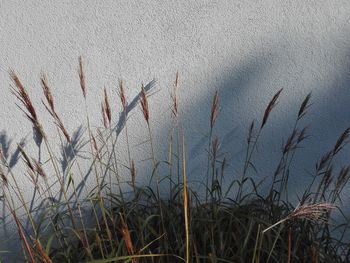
(245, 49)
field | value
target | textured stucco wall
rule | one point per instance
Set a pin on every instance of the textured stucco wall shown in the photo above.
(245, 49)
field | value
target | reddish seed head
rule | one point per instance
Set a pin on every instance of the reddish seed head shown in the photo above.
(214, 109)
(107, 107)
(82, 77)
(24, 98)
(51, 107)
(144, 104)
(122, 95)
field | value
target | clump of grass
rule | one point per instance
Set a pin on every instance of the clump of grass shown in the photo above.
(236, 220)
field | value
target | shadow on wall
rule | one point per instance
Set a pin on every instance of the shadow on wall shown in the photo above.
(231, 130)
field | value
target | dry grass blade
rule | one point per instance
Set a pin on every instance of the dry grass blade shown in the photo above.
(127, 239)
(186, 203)
(104, 116)
(44, 256)
(214, 109)
(39, 169)
(133, 173)
(94, 144)
(82, 77)
(343, 177)
(302, 135)
(144, 103)
(23, 237)
(26, 158)
(215, 147)
(269, 108)
(3, 178)
(290, 142)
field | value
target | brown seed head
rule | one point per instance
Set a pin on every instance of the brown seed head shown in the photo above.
(122, 95)
(22, 95)
(51, 107)
(47, 93)
(214, 109)
(107, 107)
(82, 77)
(174, 96)
(144, 104)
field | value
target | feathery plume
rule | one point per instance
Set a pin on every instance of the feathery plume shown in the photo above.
(312, 212)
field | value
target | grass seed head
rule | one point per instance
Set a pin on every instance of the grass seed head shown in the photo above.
(122, 95)
(214, 109)
(174, 96)
(313, 212)
(269, 108)
(304, 105)
(107, 107)
(82, 77)
(144, 104)
(51, 107)
(341, 141)
(22, 95)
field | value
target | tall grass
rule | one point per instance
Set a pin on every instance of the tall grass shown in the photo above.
(123, 220)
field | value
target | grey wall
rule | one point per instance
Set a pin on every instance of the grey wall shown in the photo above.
(245, 49)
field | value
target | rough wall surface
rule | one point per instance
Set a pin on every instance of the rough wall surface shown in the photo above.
(247, 50)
